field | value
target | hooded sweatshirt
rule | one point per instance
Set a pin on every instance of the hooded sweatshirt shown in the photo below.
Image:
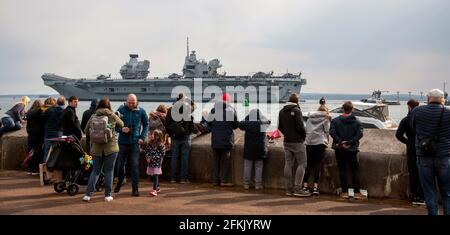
(346, 128)
(112, 146)
(290, 123)
(317, 128)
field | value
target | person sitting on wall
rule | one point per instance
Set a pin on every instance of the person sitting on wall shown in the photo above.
(12, 120)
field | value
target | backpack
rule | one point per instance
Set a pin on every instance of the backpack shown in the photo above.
(100, 133)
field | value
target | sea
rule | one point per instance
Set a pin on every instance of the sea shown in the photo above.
(310, 102)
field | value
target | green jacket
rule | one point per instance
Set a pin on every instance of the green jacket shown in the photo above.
(111, 146)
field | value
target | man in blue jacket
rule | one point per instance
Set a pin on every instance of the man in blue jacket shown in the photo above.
(425, 123)
(131, 136)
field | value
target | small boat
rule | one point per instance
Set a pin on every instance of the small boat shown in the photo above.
(372, 116)
(376, 98)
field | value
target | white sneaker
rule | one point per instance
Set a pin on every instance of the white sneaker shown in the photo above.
(86, 198)
(108, 199)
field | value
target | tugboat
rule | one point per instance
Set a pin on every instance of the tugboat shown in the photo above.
(376, 99)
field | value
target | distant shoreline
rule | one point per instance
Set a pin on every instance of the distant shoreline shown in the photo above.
(303, 96)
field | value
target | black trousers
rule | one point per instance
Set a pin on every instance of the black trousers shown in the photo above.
(35, 143)
(414, 180)
(348, 161)
(222, 166)
(315, 155)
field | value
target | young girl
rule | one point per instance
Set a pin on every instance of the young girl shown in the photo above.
(154, 153)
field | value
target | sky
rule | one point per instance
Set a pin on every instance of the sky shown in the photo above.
(340, 46)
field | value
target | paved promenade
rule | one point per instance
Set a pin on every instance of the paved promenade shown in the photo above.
(22, 194)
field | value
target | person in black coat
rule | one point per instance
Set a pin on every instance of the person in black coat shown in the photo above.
(222, 120)
(35, 130)
(403, 129)
(179, 125)
(84, 120)
(51, 116)
(255, 147)
(346, 131)
(70, 124)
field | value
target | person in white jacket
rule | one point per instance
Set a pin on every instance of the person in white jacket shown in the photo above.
(317, 139)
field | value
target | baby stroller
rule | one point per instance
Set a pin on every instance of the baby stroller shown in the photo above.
(67, 155)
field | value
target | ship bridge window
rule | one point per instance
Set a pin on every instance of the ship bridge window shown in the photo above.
(205, 72)
(111, 89)
(190, 66)
(144, 89)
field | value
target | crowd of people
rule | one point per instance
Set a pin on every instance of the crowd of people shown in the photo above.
(116, 139)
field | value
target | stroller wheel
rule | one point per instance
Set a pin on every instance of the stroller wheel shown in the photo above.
(99, 187)
(100, 184)
(59, 187)
(72, 189)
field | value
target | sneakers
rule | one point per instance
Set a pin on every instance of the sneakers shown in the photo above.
(259, 187)
(135, 193)
(302, 193)
(34, 173)
(246, 186)
(153, 193)
(315, 191)
(344, 195)
(86, 198)
(108, 199)
(184, 181)
(418, 201)
(173, 181)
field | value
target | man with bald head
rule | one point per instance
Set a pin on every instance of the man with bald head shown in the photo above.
(131, 136)
(432, 121)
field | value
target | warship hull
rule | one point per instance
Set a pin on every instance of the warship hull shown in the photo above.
(273, 89)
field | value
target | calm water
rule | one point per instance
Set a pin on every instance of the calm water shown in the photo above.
(397, 112)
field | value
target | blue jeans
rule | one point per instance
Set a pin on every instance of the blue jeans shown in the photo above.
(155, 182)
(8, 125)
(107, 164)
(129, 151)
(429, 169)
(185, 146)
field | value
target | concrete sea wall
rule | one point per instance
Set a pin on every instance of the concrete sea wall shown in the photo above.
(383, 167)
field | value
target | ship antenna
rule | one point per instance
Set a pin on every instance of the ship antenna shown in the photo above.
(187, 46)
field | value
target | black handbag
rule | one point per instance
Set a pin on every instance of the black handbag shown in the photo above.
(428, 145)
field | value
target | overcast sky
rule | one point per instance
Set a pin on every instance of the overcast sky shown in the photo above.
(341, 46)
